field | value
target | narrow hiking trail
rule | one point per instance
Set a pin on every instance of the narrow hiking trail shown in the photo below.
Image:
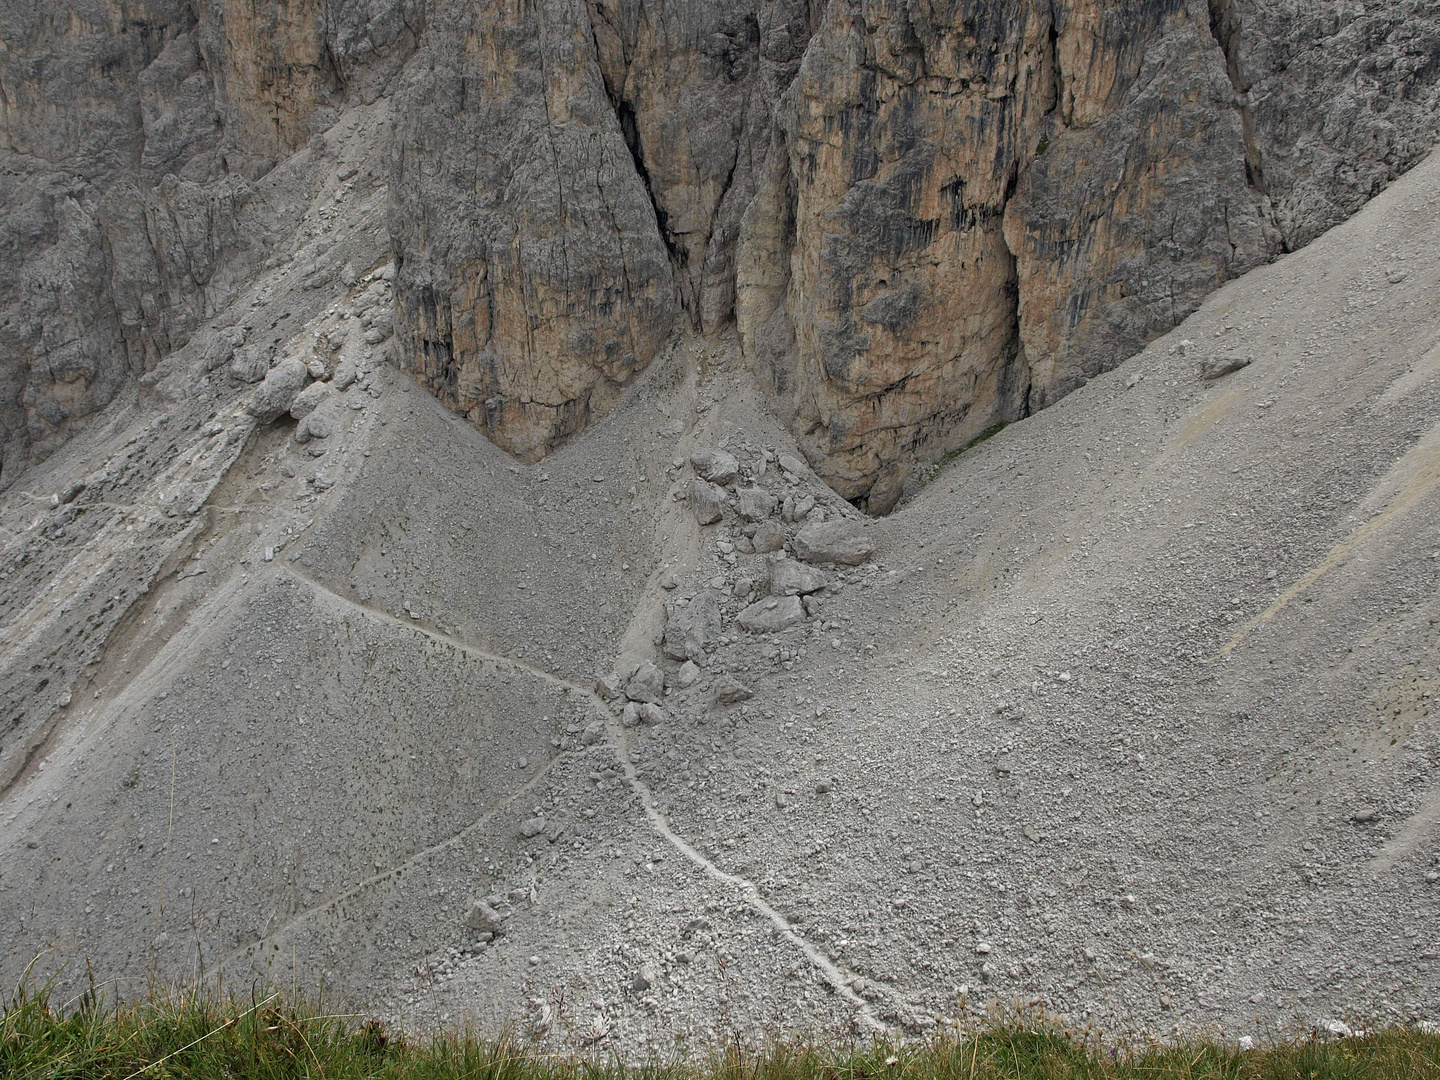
(837, 979)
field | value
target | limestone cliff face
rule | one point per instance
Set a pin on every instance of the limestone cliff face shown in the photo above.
(993, 202)
(1140, 204)
(921, 217)
(138, 177)
(570, 181)
(534, 280)
(905, 131)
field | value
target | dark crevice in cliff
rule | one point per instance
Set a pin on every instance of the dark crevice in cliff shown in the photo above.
(1057, 81)
(1225, 27)
(679, 257)
(1015, 376)
(330, 65)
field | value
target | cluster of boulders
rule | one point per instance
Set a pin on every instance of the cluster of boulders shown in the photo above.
(774, 537)
(301, 387)
(775, 518)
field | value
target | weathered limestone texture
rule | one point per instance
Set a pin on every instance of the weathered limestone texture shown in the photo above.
(986, 204)
(534, 281)
(570, 181)
(923, 218)
(139, 178)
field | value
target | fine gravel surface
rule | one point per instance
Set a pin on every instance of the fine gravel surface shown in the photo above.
(1125, 713)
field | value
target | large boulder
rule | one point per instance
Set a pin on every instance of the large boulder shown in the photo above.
(791, 578)
(771, 614)
(688, 627)
(647, 684)
(838, 541)
(278, 391)
(715, 465)
(755, 503)
(707, 501)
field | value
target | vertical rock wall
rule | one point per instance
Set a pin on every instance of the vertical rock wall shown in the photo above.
(136, 184)
(925, 219)
(570, 180)
(922, 217)
(534, 281)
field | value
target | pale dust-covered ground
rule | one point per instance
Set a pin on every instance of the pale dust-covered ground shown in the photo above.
(1129, 716)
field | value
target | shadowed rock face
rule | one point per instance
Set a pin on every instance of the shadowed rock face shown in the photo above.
(138, 178)
(921, 219)
(534, 279)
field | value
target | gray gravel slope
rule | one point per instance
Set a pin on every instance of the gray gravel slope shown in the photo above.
(1128, 715)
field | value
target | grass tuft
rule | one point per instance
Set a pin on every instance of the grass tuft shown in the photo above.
(180, 1033)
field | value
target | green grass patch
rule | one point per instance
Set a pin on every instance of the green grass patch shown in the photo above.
(183, 1034)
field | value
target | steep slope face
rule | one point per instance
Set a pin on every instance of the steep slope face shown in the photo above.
(1128, 713)
(139, 179)
(924, 221)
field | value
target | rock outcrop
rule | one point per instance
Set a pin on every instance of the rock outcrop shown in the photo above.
(987, 205)
(921, 220)
(924, 222)
(534, 280)
(152, 160)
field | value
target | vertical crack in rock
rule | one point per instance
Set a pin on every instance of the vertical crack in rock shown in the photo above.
(1225, 27)
(679, 257)
(1015, 374)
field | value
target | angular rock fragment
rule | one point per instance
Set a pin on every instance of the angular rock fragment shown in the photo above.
(641, 712)
(715, 465)
(308, 399)
(643, 979)
(345, 375)
(250, 364)
(755, 503)
(316, 425)
(729, 690)
(647, 684)
(839, 541)
(707, 501)
(1215, 367)
(690, 626)
(771, 614)
(687, 676)
(792, 465)
(769, 536)
(222, 347)
(482, 916)
(278, 391)
(796, 509)
(791, 578)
